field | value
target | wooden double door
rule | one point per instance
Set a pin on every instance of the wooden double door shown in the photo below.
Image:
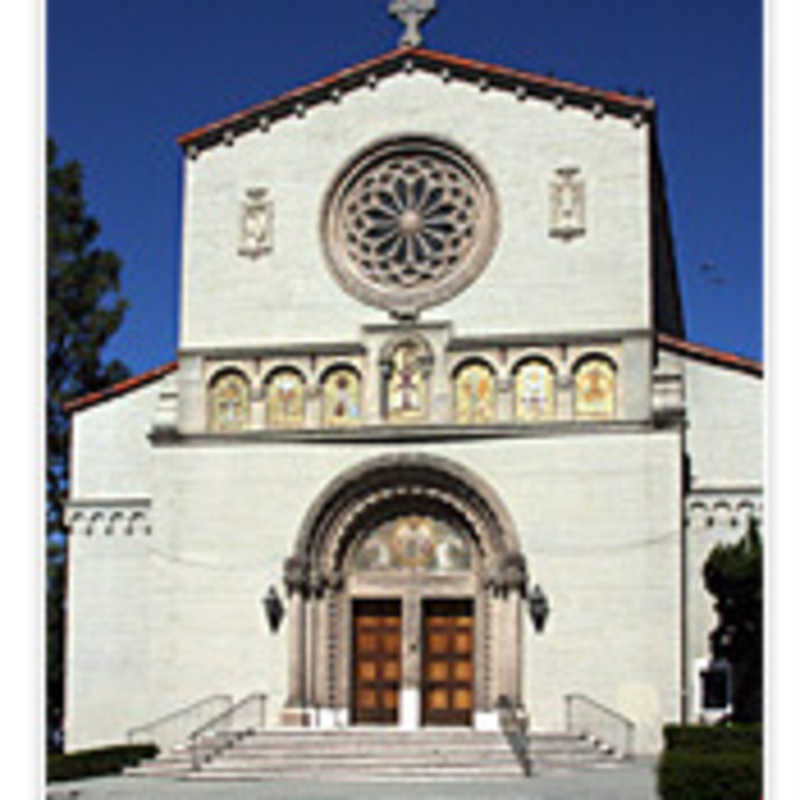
(446, 669)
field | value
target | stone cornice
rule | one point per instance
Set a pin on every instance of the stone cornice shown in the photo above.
(109, 515)
(368, 74)
(386, 434)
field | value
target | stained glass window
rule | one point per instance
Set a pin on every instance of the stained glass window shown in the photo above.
(342, 398)
(230, 403)
(534, 395)
(475, 394)
(595, 390)
(417, 542)
(285, 400)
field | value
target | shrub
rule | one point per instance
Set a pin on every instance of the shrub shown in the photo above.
(712, 738)
(100, 761)
(683, 775)
(711, 763)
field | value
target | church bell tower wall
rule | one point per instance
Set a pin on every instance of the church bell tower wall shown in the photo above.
(598, 279)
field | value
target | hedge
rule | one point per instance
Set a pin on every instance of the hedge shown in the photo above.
(712, 738)
(101, 761)
(711, 763)
(705, 776)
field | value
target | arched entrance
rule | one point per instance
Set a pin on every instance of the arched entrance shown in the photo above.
(405, 589)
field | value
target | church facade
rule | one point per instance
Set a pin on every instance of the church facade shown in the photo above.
(433, 398)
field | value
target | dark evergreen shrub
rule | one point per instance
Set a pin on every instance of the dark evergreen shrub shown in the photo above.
(684, 775)
(100, 761)
(719, 762)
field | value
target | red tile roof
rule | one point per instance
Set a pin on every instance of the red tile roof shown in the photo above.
(710, 354)
(120, 388)
(393, 61)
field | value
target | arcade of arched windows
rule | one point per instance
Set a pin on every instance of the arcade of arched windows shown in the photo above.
(525, 387)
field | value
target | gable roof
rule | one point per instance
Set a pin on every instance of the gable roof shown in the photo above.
(710, 354)
(123, 387)
(448, 66)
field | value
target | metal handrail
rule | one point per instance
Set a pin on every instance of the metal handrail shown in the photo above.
(220, 720)
(626, 750)
(173, 715)
(514, 726)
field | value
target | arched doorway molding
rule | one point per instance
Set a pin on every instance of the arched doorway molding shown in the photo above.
(321, 585)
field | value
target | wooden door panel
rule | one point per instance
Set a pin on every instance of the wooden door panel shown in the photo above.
(447, 673)
(376, 660)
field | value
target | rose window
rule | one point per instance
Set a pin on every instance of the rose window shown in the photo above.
(409, 225)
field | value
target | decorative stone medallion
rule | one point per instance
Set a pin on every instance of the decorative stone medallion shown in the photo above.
(409, 224)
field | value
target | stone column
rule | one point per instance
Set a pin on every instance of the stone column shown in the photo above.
(314, 406)
(410, 688)
(258, 408)
(563, 389)
(505, 399)
(297, 646)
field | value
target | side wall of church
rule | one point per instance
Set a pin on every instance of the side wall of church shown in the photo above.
(109, 605)
(602, 277)
(725, 439)
(725, 446)
(111, 455)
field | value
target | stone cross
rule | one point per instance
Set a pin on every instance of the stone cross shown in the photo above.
(413, 13)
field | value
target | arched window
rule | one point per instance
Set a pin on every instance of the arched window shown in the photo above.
(229, 406)
(407, 382)
(474, 394)
(534, 391)
(595, 389)
(286, 406)
(341, 397)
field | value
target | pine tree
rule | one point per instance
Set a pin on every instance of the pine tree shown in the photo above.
(83, 311)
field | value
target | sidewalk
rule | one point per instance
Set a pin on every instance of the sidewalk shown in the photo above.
(630, 781)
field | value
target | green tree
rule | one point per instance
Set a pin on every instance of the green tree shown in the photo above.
(733, 574)
(83, 311)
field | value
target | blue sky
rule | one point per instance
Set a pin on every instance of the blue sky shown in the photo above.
(125, 78)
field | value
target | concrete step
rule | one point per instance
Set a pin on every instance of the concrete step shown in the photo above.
(373, 754)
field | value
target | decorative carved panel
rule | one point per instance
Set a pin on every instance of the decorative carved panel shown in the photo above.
(256, 223)
(567, 204)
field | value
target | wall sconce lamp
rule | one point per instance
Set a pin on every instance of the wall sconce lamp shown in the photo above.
(538, 608)
(273, 609)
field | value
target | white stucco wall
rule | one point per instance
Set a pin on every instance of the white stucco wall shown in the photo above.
(725, 436)
(111, 455)
(602, 277)
(598, 518)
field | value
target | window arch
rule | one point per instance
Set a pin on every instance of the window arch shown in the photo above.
(595, 389)
(534, 390)
(475, 395)
(341, 397)
(286, 407)
(229, 402)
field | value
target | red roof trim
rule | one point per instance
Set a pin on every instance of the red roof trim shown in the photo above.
(120, 388)
(422, 56)
(711, 354)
